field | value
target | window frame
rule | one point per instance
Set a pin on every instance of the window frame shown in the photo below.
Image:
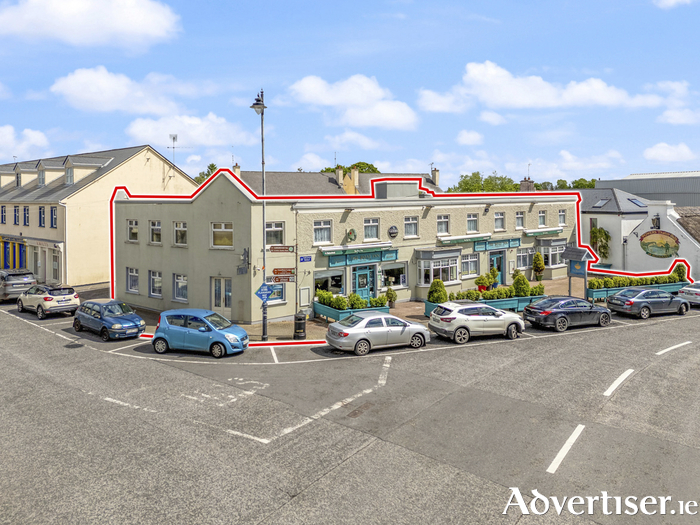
(562, 212)
(527, 252)
(54, 217)
(320, 227)
(274, 228)
(520, 215)
(473, 217)
(547, 254)
(176, 229)
(16, 223)
(70, 175)
(41, 178)
(132, 225)
(499, 215)
(373, 223)
(542, 219)
(469, 258)
(42, 216)
(407, 221)
(25, 216)
(222, 229)
(179, 278)
(3, 214)
(152, 276)
(434, 265)
(132, 272)
(153, 229)
(383, 285)
(443, 218)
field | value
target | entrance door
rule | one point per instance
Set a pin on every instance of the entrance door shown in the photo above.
(362, 287)
(496, 261)
(221, 296)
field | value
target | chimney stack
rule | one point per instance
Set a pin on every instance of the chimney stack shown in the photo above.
(435, 176)
(355, 174)
(527, 185)
(339, 176)
(237, 170)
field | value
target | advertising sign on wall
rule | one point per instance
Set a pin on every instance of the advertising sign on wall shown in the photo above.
(658, 243)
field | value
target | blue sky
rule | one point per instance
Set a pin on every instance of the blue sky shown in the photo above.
(593, 89)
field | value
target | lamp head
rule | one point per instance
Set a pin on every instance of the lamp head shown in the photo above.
(259, 104)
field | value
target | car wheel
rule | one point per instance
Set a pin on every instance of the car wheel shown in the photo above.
(20, 306)
(160, 346)
(40, 314)
(604, 319)
(104, 334)
(362, 347)
(682, 310)
(461, 336)
(512, 331)
(217, 350)
(644, 313)
(77, 326)
(417, 341)
(561, 324)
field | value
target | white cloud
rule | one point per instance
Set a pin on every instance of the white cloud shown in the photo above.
(191, 131)
(311, 162)
(29, 144)
(679, 116)
(668, 4)
(570, 162)
(4, 91)
(351, 138)
(663, 152)
(131, 24)
(406, 166)
(491, 117)
(496, 87)
(469, 138)
(97, 89)
(360, 102)
(193, 158)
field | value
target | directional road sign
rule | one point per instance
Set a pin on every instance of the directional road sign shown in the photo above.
(264, 292)
(283, 279)
(287, 249)
(283, 271)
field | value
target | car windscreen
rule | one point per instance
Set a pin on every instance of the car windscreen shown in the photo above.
(546, 303)
(628, 293)
(20, 277)
(117, 309)
(441, 310)
(218, 321)
(351, 320)
(61, 291)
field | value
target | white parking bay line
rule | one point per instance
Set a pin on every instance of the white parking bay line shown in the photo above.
(621, 322)
(565, 449)
(385, 371)
(59, 322)
(530, 335)
(274, 355)
(673, 348)
(127, 346)
(618, 382)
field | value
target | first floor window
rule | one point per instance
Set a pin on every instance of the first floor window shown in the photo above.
(222, 234)
(542, 218)
(443, 269)
(330, 281)
(180, 233)
(562, 217)
(26, 215)
(410, 226)
(499, 220)
(394, 274)
(322, 231)
(132, 230)
(42, 217)
(155, 284)
(54, 217)
(371, 229)
(278, 290)
(274, 233)
(519, 219)
(552, 255)
(524, 257)
(132, 280)
(470, 265)
(443, 224)
(155, 237)
(2, 215)
(472, 223)
(179, 287)
(16, 215)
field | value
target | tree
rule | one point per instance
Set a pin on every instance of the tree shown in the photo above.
(580, 184)
(544, 186)
(362, 167)
(563, 185)
(600, 239)
(473, 183)
(204, 175)
(496, 183)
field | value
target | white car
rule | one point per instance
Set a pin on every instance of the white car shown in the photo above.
(45, 299)
(691, 293)
(462, 321)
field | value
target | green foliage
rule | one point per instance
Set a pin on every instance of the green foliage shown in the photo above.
(661, 279)
(324, 297)
(391, 295)
(537, 290)
(580, 184)
(510, 292)
(376, 302)
(473, 295)
(521, 286)
(496, 183)
(600, 239)
(339, 303)
(204, 175)
(680, 271)
(356, 302)
(473, 183)
(452, 296)
(538, 263)
(516, 272)
(672, 278)
(633, 281)
(502, 292)
(489, 295)
(620, 282)
(563, 185)
(362, 167)
(544, 186)
(494, 274)
(437, 292)
(484, 280)
(608, 283)
(595, 284)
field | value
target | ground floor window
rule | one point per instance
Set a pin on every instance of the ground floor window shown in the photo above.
(56, 269)
(330, 281)
(394, 274)
(278, 291)
(155, 284)
(132, 280)
(443, 269)
(179, 287)
(552, 255)
(470, 265)
(524, 258)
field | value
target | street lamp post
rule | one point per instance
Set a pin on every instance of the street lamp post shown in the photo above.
(259, 107)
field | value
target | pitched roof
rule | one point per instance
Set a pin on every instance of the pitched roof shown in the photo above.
(293, 183)
(690, 220)
(663, 175)
(365, 180)
(611, 200)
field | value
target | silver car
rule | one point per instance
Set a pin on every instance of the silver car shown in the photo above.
(461, 321)
(643, 302)
(364, 331)
(14, 282)
(691, 293)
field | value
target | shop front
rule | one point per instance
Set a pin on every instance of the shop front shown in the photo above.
(45, 260)
(13, 252)
(497, 251)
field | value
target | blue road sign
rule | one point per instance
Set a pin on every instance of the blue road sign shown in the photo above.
(305, 258)
(264, 292)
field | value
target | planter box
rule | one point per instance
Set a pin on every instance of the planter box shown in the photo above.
(512, 303)
(603, 293)
(429, 307)
(337, 315)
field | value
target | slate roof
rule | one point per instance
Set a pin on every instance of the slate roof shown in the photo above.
(690, 220)
(618, 201)
(365, 184)
(57, 190)
(293, 183)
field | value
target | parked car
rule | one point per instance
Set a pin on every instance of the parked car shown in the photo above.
(461, 321)
(363, 331)
(196, 329)
(561, 312)
(691, 293)
(643, 302)
(45, 299)
(110, 318)
(14, 282)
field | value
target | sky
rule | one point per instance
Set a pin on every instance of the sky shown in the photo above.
(557, 89)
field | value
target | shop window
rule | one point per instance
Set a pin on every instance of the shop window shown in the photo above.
(180, 233)
(179, 287)
(155, 283)
(410, 226)
(552, 255)
(394, 275)
(222, 234)
(322, 232)
(472, 223)
(330, 281)
(470, 265)
(499, 220)
(132, 280)
(443, 269)
(524, 258)
(443, 224)
(274, 233)
(132, 230)
(155, 233)
(520, 219)
(371, 229)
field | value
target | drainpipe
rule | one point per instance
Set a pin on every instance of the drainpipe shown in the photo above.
(64, 273)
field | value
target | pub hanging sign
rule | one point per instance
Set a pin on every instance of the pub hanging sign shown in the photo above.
(658, 243)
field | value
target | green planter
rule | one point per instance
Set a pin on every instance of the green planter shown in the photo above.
(603, 293)
(517, 304)
(429, 307)
(337, 315)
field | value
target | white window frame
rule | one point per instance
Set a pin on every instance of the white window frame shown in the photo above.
(552, 252)
(274, 226)
(25, 220)
(321, 225)
(41, 178)
(18, 180)
(542, 219)
(179, 226)
(16, 215)
(436, 265)
(132, 225)
(524, 255)
(70, 177)
(132, 274)
(444, 219)
(499, 215)
(562, 217)
(371, 222)
(54, 217)
(179, 278)
(470, 259)
(519, 220)
(153, 228)
(153, 276)
(2, 215)
(473, 217)
(42, 216)
(408, 221)
(390, 266)
(221, 227)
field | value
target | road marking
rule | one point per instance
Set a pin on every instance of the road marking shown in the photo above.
(673, 348)
(621, 322)
(39, 326)
(618, 382)
(274, 355)
(128, 405)
(385, 371)
(565, 449)
(234, 432)
(529, 335)
(125, 347)
(59, 322)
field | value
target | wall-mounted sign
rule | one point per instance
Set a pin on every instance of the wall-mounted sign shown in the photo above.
(281, 249)
(305, 258)
(658, 243)
(393, 232)
(352, 235)
(496, 245)
(283, 271)
(362, 258)
(283, 279)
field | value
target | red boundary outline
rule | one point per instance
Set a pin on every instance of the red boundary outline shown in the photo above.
(421, 187)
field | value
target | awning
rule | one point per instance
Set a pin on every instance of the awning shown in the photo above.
(543, 231)
(348, 249)
(459, 239)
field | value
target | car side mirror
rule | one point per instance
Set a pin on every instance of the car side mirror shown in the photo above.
(202, 328)
(499, 314)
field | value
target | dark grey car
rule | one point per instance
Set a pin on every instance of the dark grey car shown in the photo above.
(644, 302)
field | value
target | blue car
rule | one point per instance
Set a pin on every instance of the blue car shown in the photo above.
(196, 329)
(110, 318)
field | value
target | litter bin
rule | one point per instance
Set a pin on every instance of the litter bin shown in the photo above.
(300, 325)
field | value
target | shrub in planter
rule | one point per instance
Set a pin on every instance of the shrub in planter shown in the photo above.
(510, 291)
(391, 296)
(437, 292)
(324, 297)
(516, 272)
(538, 265)
(339, 303)
(608, 283)
(375, 302)
(494, 275)
(490, 295)
(461, 295)
(633, 281)
(501, 292)
(483, 281)
(452, 296)
(521, 286)
(537, 290)
(661, 279)
(473, 295)
(355, 301)
(672, 278)
(680, 272)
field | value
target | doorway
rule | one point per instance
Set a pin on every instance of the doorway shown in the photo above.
(363, 281)
(221, 296)
(496, 261)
